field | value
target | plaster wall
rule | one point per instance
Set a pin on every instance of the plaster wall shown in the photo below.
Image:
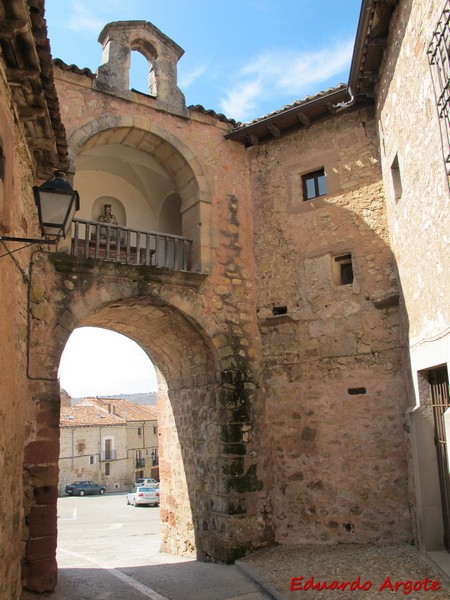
(418, 213)
(331, 362)
(421, 212)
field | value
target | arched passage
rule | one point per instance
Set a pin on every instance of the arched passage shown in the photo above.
(213, 505)
(188, 442)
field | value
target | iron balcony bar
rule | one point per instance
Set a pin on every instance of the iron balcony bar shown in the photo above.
(109, 242)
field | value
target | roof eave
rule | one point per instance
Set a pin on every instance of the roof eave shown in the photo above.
(370, 42)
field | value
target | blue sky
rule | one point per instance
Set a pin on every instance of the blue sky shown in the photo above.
(243, 58)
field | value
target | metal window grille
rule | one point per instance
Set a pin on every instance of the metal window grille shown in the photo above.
(439, 59)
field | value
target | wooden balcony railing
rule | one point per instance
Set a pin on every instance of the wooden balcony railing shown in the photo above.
(109, 242)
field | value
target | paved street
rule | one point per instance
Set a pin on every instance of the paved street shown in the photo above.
(110, 551)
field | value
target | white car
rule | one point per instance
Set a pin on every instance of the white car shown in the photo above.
(145, 481)
(143, 496)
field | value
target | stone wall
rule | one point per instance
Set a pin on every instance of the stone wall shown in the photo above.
(332, 366)
(212, 465)
(203, 336)
(75, 465)
(15, 197)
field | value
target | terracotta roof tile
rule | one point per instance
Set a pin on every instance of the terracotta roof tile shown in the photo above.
(76, 416)
(127, 410)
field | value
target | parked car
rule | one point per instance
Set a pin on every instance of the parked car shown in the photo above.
(145, 481)
(144, 495)
(83, 488)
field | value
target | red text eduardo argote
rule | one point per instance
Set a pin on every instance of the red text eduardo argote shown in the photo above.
(405, 587)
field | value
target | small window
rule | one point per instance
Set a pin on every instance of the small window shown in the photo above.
(139, 431)
(343, 270)
(107, 468)
(92, 460)
(396, 179)
(314, 184)
(155, 430)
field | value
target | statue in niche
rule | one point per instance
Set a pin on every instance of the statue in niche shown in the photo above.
(108, 217)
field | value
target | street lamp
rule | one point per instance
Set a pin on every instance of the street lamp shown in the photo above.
(57, 203)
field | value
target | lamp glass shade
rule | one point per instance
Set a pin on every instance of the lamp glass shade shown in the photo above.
(57, 203)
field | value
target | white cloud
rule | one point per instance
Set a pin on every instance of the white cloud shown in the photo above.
(187, 79)
(83, 17)
(315, 67)
(241, 100)
(277, 73)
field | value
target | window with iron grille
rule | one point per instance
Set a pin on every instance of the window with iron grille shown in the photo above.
(439, 59)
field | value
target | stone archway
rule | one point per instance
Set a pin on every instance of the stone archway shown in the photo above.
(182, 165)
(214, 506)
(186, 402)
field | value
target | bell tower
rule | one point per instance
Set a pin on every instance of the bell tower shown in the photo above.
(118, 39)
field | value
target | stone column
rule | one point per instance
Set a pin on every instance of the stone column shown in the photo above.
(39, 569)
(115, 67)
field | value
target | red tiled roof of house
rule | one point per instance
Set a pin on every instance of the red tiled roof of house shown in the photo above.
(75, 416)
(129, 411)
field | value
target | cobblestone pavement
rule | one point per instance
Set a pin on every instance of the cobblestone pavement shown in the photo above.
(377, 572)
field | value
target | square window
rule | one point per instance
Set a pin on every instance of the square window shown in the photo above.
(343, 270)
(396, 179)
(314, 184)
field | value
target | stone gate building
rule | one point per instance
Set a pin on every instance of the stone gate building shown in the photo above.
(287, 277)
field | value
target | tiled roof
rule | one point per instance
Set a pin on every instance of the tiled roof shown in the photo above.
(76, 416)
(125, 409)
(212, 113)
(305, 100)
(299, 114)
(74, 69)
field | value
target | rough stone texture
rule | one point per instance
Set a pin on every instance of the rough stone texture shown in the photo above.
(16, 219)
(212, 495)
(162, 54)
(282, 392)
(338, 458)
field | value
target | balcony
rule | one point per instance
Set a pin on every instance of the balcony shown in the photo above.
(108, 455)
(115, 243)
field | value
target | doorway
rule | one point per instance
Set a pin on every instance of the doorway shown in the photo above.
(439, 387)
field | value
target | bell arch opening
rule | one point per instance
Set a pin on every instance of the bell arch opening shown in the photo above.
(142, 67)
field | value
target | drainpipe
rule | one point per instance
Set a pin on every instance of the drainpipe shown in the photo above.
(344, 105)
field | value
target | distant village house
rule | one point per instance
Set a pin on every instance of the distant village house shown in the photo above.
(112, 441)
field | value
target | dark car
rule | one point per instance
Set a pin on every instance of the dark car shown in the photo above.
(83, 488)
